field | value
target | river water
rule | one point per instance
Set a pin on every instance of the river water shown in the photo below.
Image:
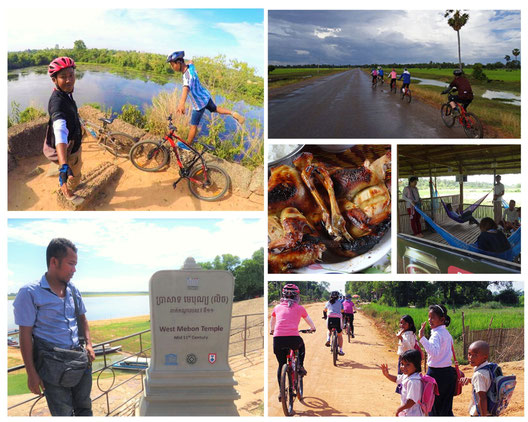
(102, 307)
(32, 87)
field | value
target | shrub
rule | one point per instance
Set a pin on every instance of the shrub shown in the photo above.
(478, 73)
(133, 115)
(31, 113)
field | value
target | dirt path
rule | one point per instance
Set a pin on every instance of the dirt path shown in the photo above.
(345, 105)
(135, 189)
(356, 387)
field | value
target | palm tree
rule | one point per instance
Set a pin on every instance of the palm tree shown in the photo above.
(516, 52)
(457, 20)
(507, 58)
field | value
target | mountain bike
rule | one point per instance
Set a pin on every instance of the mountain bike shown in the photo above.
(208, 182)
(374, 82)
(334, 345)
(469, 122)
(291, 385)
(118, 143)
(406, 94)
(380, 78)
(348, 329)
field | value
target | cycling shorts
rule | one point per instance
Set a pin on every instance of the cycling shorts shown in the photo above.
(349, 316)
(335, 323)
(465, 103)
(196, 115)
(405, 85)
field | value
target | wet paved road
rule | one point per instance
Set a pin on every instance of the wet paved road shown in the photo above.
(346, 106)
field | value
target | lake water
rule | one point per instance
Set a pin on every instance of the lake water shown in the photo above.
(102, 307)
(32, 87)
(491, 95)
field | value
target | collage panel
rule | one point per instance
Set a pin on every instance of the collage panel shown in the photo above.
(329, 208)
(459, 209)
(106, 327)
(435, 74)
(143, 111)
(401, 336)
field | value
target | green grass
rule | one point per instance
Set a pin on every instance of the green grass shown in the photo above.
(474, 318)
(286, 76)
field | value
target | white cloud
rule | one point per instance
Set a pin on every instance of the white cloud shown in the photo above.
(302, 52)
(326, 32)
(144, 243)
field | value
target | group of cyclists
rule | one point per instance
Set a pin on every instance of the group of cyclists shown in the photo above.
(285, 318)
(378, 74)
(460, 83)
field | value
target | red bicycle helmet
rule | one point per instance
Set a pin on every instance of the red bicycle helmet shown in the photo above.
(58, 64)
(290, 291)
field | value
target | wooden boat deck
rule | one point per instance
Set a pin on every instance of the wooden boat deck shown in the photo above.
(465, 232)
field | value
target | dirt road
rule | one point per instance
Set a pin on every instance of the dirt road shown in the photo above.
(135, 189)
(356, 387)
(345, 105)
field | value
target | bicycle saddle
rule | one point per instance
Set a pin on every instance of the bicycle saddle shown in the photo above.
(107, 120)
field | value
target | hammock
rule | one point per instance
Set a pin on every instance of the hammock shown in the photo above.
(453, 215)
(509, 255)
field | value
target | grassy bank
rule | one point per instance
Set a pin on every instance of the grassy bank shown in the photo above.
(287, 76)
(500, 119)
(476, 318)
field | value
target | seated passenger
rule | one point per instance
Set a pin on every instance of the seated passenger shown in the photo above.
(466, 216)
(491, 239)
(511, 217)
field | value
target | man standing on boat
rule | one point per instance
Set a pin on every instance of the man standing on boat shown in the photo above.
(54, 335)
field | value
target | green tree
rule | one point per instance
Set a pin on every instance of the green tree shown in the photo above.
(478, 72)
(79, 45)
(249, 277)
(456, 20)
(507, 58)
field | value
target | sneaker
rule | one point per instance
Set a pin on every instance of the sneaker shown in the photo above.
(353, 336)
(341, 353)
(280, 399)
(239, 118)
(327, 344)
(302, 371)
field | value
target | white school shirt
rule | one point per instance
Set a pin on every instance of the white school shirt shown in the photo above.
(511, 216)
(407, 342)
(498, 188)
(438, 347)
(411, 389)
(480, 381)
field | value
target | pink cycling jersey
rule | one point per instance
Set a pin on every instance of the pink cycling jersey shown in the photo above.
(287, 319)
(393, 74)
(348, 307)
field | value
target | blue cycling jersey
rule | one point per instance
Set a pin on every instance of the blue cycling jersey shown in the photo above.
(406, 77)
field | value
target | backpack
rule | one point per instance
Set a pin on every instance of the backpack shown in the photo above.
(417, 347)
(500, 391)
(429, 391)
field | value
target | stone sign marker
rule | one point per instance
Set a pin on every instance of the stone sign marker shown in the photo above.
(190, 321)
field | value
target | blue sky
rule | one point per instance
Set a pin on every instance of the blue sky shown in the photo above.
(236, 33)
(121, 254)
(388, 36)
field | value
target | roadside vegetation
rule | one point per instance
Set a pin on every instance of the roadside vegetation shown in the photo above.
(281, 76)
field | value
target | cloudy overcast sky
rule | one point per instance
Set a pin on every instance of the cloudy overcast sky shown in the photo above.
(388, 36)
(237, 33)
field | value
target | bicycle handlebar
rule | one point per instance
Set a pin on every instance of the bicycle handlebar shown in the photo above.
(309, 331)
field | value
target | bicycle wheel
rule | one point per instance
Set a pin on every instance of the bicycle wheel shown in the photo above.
(447, 115)
(118, 143)
(300, 387)
(334, 348)
(409, 96)
(393, 88)
(349, 332)
(286, 391)
(208, 185)
(472, 126)
(149, 155)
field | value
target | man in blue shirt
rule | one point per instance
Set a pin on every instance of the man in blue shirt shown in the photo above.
(45, 310)
(200, 97)
(406, 76)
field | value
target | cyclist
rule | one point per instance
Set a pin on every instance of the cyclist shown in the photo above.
(465, 93)
(332, 311)
(380, 74)
(200, 97)
(62, 145)
(374, 74)
(284, 327)
(406, 76)
(348, 312)
(393, 75)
